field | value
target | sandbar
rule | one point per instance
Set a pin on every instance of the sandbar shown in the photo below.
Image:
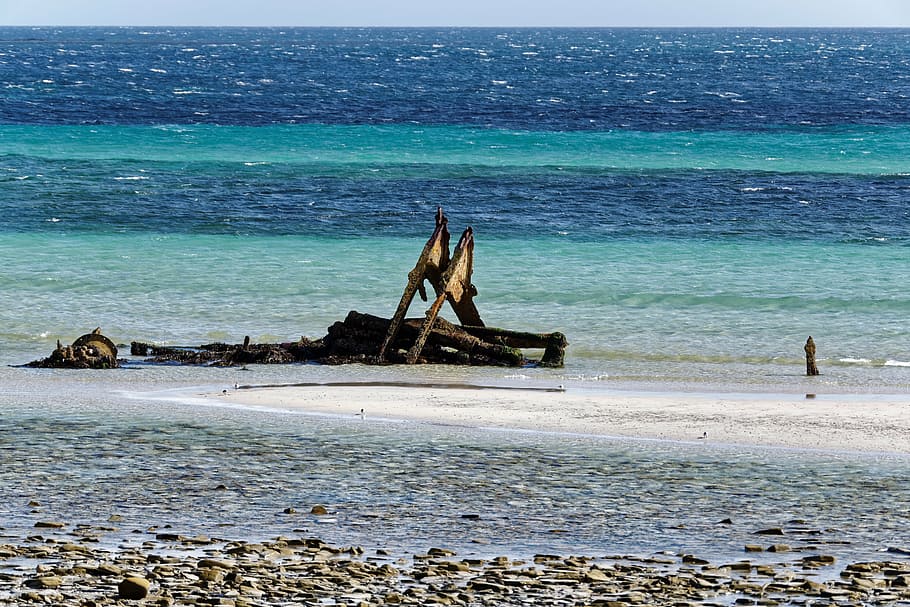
(861, 423)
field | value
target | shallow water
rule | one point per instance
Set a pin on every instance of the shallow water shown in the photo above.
(85, 453)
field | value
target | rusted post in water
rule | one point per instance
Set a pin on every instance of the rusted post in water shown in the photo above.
(811, 367)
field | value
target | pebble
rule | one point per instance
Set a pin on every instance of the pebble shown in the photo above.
(173, 570)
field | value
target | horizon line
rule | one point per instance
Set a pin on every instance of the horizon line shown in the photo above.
(464, 26)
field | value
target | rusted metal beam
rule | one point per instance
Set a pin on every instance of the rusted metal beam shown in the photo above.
(456, 287)
(432, 263)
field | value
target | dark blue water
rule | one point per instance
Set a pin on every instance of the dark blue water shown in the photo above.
(551, 79)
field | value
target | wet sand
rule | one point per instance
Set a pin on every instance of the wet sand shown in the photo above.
(867, 423)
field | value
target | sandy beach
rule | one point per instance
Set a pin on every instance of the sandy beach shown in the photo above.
(868, 423)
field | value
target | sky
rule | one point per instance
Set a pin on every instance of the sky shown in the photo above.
(591, 13)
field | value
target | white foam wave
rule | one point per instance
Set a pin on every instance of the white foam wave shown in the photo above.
(897, 363)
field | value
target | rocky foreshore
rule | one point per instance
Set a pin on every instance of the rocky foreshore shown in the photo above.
(169, 569)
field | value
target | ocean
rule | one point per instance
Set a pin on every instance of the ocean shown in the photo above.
(686, 205)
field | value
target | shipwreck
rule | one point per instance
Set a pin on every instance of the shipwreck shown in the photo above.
(368, 339)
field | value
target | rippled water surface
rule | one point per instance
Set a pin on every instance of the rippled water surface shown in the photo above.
(226, 472)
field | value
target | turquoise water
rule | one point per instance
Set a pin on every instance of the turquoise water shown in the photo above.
(854, 150)
(682, 311)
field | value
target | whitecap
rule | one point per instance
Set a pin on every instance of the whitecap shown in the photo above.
(860, 361)
(126, 70)
(752, 189)
(157, 70)
(897, 363)
(53, 220)
(131, 178)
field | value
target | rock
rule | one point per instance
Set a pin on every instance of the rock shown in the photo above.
(213, 575)
(779, 548)
(133, 588)
(319, 510)
(818, 560)
(45, 582)
(213, 564)
(753, 548)
(483, 586)
(49, 525)
(595, 576)
(771, 531)
(440, 552)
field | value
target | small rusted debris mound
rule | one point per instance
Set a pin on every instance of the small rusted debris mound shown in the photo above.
(227, 355)
(358, 338)
(359, 335)
(91, 351)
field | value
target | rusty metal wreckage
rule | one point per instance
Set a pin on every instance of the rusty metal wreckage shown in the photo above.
(364, 338)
